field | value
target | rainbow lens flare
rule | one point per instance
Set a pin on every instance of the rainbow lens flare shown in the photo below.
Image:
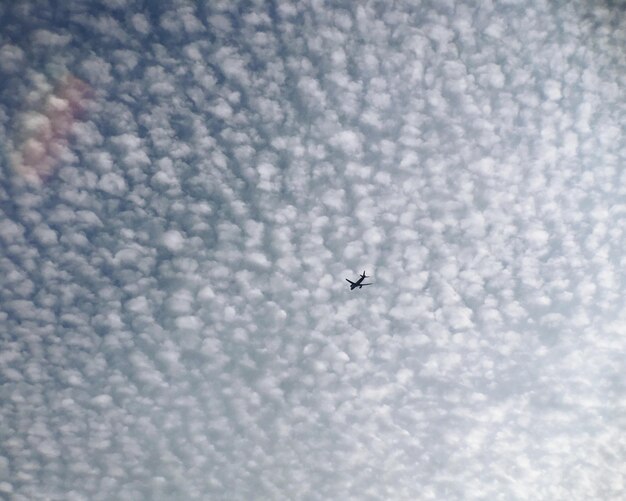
(44, 132)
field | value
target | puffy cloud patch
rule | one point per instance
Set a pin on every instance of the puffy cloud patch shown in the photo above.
(176, 319)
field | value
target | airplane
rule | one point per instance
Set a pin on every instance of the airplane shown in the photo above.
(358, 283)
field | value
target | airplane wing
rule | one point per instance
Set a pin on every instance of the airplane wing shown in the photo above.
(366, 284)
(350, 281)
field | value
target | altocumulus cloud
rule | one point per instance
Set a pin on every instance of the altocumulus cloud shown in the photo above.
(184, 187)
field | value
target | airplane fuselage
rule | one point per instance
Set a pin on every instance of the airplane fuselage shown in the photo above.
(357, 283)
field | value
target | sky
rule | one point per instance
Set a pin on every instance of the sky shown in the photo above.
(185, 186)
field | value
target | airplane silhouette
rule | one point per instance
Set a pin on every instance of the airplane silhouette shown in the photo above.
(359, 283)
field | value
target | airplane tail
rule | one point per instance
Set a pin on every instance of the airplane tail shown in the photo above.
(364, 275)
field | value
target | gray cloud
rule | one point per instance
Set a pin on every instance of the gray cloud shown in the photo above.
(185, 187)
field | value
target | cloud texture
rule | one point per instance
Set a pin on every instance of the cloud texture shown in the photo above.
(200, 178)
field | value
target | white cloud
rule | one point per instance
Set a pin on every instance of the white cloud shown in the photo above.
(11, 58)
(112, 183)
(97, 71)
(140, 23)
(173, 240)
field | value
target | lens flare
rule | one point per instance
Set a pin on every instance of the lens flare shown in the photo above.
(43, 135)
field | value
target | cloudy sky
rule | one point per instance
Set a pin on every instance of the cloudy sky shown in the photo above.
(185, 186)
